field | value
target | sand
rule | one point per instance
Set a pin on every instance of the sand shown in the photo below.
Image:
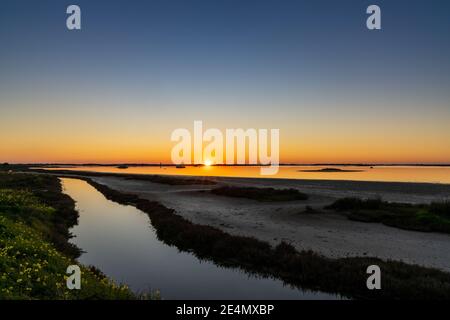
(330, 234)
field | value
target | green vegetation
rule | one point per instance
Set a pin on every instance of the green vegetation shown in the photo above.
(31, 268)
(20, 194)
(261, 194)
(441, 209)
(34, 250)
(346, 204)
(433, 217)
(306, 269)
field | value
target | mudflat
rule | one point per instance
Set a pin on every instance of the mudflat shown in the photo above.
(328, 233)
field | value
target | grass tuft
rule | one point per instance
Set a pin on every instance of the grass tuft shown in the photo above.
(260, 194)
(434, 217)
(31, 268)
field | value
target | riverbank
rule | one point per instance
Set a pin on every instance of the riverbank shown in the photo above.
(35, 217)
(413, 174)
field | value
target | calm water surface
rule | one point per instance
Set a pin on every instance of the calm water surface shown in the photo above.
(121, 242)
(377, 173)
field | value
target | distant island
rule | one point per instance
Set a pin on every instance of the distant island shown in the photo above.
(330, 170)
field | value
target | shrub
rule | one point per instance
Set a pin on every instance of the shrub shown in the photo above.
(346, 204)
(260, 194)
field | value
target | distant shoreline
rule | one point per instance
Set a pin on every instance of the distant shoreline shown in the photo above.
(84, 170)
(229, 165)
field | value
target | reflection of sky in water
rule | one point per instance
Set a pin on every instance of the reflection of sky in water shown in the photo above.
(395, 173)
(121, 242)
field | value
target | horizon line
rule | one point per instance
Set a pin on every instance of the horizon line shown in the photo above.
(135, 164)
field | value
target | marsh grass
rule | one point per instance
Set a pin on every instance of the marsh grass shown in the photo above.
(260, 194)
(422, 217)
(162, 179)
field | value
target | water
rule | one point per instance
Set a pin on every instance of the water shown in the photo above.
(121, 242)
(378, 173)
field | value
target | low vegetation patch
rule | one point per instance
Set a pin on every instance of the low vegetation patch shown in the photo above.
(433, 217)
(330, 170)
(441, 209)
(24, 195)
(306, 269)
(31, 268)
(260, 194)
(170, 180)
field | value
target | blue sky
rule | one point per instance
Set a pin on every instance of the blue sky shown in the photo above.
(138, 65)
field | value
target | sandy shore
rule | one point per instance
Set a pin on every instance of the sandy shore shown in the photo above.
(327, 233)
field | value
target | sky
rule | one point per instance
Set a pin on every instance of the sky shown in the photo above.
(137, 70)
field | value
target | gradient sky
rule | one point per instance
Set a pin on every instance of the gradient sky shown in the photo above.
(114, 91)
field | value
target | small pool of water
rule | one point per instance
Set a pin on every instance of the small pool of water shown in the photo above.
(121, 242)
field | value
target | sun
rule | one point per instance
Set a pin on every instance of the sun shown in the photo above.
(208, 162)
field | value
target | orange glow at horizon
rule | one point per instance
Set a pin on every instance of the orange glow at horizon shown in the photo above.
(111, 139)
(102, 152)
